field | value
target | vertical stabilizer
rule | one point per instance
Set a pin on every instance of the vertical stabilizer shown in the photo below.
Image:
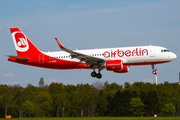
(23, 45)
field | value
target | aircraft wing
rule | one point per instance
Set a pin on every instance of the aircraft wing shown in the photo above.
(89, 60)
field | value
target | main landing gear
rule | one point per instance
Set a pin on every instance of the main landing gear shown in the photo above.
(153, 68)
(98, 75)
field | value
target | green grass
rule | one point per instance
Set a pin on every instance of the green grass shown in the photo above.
(97, 118)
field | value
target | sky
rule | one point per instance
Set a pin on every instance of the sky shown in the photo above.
(89, 24)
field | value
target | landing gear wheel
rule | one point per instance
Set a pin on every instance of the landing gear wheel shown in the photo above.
(93, 74)
(99, 76)
(153, 72)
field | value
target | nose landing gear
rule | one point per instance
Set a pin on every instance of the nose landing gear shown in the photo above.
(153, 68)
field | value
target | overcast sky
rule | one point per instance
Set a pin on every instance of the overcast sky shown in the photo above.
(86, 24)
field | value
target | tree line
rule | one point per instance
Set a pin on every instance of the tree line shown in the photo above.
(98, 99)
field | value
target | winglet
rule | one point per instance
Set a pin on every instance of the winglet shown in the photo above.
(59, 43)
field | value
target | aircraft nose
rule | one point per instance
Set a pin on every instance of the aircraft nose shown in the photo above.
(173, 56)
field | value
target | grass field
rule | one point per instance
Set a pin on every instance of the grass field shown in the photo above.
(97, 118)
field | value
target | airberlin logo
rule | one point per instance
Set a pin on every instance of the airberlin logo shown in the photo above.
(127, 53)
(20, 41)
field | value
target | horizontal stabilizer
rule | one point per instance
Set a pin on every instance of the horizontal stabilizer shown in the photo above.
(18, 58)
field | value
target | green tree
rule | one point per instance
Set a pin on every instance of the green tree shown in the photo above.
(59, 101)
(87, 99)
(168, 109)
(102, 103)
(41, 82)
(29, 93)
(73, 98)
(127, 95)
(111, 90)
(127, 85)
(151, 102)
(118, 103)
(6, 103)
(6, 100)
(17, 102)
(28, 108)
(136, 106)
(46, 107)
(43, 104)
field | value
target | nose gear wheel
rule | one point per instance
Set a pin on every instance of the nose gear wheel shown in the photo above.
(154, 71)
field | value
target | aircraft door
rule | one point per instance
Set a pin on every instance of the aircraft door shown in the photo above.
(41, 59)
(152, 52)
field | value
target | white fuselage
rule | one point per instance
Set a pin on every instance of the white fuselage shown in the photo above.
(129, 55)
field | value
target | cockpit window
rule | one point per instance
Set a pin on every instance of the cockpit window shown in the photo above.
(165, 50)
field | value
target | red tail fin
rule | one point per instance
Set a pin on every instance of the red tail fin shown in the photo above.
(23, 45)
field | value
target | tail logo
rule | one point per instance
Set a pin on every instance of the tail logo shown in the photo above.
(20, 41)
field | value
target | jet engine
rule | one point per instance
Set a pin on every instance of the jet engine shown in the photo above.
(116, 66)
(124, 70)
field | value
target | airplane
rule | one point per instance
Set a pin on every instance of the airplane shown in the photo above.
(117, 59)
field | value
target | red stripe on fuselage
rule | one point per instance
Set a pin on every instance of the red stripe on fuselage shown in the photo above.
(52, 63)
(64, 64)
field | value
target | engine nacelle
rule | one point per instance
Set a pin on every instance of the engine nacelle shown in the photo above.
(114, 65)
(124, 70)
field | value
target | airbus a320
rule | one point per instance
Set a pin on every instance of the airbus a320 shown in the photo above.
(117, 59)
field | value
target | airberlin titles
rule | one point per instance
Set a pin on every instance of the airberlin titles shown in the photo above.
(127, 53)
